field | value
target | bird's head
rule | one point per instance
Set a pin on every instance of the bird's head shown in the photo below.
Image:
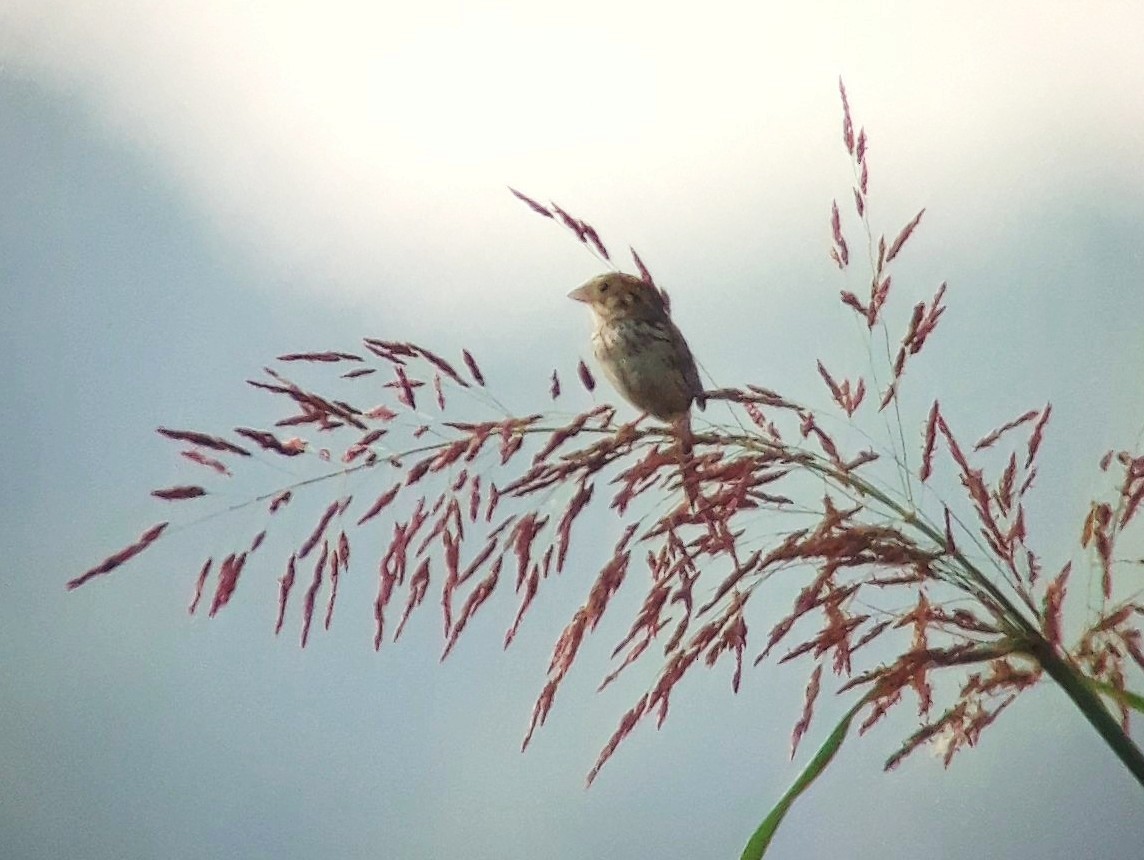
(614, 295)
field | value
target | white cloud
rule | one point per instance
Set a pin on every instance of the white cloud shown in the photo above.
(345, 141)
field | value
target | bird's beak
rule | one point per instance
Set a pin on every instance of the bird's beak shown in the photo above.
(580, 294)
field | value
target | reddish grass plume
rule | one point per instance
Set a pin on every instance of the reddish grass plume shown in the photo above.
(892, 596)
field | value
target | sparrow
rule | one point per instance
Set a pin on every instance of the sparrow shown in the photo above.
(641, 351)
(645, 357)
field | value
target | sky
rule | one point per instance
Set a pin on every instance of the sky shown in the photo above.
(190, 189)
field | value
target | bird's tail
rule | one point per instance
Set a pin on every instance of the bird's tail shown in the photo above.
(687, 473)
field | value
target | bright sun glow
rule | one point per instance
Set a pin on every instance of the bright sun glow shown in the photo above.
(310, 129)
(477, 91)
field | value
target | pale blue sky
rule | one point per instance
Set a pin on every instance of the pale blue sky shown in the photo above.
(190, 190)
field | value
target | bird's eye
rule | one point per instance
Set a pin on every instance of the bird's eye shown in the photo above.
(604, 287)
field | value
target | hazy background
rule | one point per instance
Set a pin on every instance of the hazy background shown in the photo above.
(190, 189)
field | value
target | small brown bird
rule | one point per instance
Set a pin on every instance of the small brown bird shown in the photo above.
(645, 357)
(640, 349)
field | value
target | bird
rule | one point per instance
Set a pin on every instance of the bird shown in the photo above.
(645, 357)
(641, 351)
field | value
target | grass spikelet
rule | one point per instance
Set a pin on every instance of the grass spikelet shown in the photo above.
(903, 236)
(118, 558)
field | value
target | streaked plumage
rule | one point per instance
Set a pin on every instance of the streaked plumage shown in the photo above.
(639, 348)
